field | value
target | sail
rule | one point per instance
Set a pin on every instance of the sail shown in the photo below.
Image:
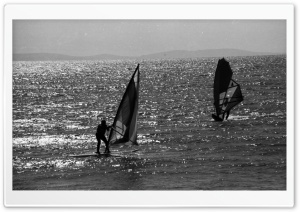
(227, 92)
(124, 127)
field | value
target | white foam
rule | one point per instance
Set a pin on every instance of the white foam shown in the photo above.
(238, 117)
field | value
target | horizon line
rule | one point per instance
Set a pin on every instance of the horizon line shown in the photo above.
(147, 54)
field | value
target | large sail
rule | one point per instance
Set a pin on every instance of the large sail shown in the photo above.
(227, 93)
(124, 127)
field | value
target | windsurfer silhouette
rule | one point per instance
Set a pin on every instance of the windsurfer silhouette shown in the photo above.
(217, 117)
(226, 91)
(227, 114)
(100, 135)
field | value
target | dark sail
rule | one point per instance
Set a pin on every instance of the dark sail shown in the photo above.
(227, 93)
(124, 127)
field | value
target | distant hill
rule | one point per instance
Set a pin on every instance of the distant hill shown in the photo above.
(41, 57)
(177, 54)
(204, 54)
(57, 57)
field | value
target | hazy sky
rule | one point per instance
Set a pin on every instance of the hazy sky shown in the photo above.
(138, 37)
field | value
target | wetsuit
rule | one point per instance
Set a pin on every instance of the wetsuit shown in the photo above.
(227, 114)
(100, 135)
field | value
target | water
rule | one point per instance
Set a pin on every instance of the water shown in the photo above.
(55, 108)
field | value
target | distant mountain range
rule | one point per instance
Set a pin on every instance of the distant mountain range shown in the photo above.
(177, 54)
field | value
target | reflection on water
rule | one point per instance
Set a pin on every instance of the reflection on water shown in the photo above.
(55, 109)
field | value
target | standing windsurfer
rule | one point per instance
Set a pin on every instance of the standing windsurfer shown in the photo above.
(225, 103)
(100, 135)
(227, 114)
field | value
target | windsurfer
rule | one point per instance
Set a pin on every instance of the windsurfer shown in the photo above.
(227, 93)
(100, 135)
(227, 114)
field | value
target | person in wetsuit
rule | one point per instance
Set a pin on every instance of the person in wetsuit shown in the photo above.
(227, 114)
(217, 117)
(100, 135)
(228, 111)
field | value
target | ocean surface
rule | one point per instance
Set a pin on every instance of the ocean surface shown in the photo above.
(55, 109)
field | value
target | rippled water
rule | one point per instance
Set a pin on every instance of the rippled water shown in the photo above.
(55, 105)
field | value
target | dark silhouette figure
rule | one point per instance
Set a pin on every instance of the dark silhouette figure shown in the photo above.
(227, 114)
(100, 135)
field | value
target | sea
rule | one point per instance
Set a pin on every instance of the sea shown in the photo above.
(57, 106)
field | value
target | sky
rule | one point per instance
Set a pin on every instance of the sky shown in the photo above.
(141, 37)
